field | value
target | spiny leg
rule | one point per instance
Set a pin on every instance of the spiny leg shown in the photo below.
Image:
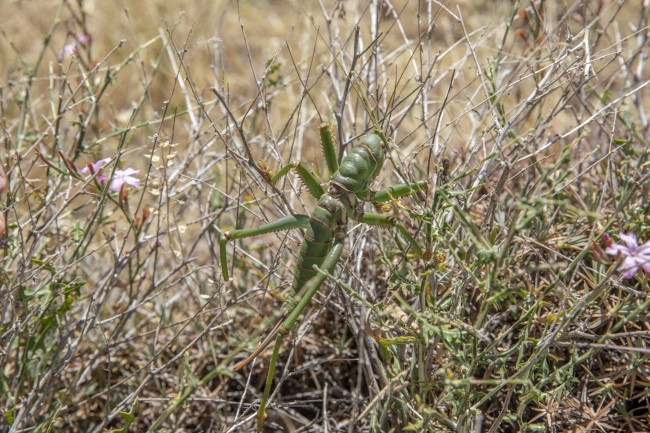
(399, 190)
(309, 258)
(329, 151)
(296, 221)
(310, 289)
(308, 178)
(377, 219)
(285, 223)
(305, 175)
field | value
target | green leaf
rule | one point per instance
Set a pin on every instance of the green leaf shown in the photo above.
(50, 268)
(128, 418)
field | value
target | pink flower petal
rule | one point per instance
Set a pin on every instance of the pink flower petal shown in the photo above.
(617, 249)
(83, 39)
(630, 272)
(121, 177)
(644, 250)
(95, 166)
(635, 256)
(68, 50)
(629, 239)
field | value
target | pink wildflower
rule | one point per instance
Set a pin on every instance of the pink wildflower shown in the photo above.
(73, 47)
(635, 256)
(124, 176)
(83, 39)
(93, 167)
(120, 177)
(68, 50)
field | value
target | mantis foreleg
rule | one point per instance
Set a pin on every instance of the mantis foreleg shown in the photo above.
(305, 175)
(308, 178)
(285, 223)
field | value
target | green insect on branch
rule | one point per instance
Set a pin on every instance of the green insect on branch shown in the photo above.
(325, 229)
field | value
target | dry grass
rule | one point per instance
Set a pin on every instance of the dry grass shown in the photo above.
(528, 121)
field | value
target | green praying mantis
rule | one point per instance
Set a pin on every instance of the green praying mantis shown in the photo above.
(325, 230)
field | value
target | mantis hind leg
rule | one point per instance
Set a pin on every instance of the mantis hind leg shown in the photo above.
(309, 290)
(376, 219)
(397, 191)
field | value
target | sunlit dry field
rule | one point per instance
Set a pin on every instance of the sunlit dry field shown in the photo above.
(508, 295)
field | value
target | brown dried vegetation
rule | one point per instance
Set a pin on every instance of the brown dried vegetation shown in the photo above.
(528, 121)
